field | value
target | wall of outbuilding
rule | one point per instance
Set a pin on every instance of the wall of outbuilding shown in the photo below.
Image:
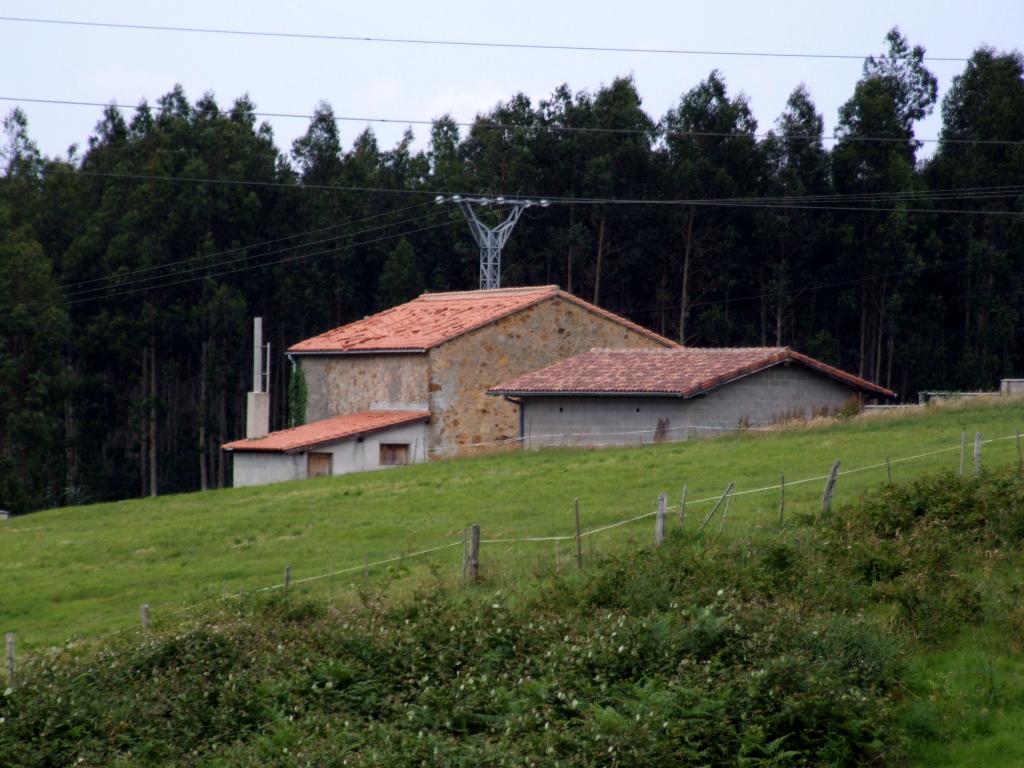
(340, 384)
(776, 394)
(462, 369)
(364, 455)
(350, 455)
(259, 468)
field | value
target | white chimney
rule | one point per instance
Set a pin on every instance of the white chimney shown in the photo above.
(257, 404)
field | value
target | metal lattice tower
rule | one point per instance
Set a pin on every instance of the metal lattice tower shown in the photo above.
(490, 239)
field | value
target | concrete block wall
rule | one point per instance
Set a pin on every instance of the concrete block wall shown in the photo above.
(769, 396)
(762, 398)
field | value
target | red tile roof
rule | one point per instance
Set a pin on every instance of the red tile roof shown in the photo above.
(684, 372)
(434, 318)
(345, 427)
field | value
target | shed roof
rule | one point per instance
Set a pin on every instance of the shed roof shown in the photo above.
(683, 372)
(434, 318)
(346, 427)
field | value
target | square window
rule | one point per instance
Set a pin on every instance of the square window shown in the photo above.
(394, 453)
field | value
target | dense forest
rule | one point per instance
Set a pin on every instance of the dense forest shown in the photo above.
(130, 268)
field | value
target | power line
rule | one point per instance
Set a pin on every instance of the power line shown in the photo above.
(157, 280)
(239, 248)
(250, 267)
(547, 127)
(559, 199)
(455, 43)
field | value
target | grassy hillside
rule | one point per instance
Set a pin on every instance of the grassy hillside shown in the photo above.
(885, 633)
(85, 570)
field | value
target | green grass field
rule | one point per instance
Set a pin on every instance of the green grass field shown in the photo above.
(84, 571)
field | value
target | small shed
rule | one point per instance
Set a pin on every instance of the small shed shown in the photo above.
(623, 396)
(355, 442)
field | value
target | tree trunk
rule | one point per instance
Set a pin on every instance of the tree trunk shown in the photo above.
(222, 427)
(572, 241)
(684, 308)
(204, 481)
(888, 369)
(778, 321)
(863, 331)
(600, 258)
(881, 329)
(143, 432)
(70, 450)
(152, 417)
(764, 309)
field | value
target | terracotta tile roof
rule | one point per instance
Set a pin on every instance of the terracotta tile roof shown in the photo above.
(435, 318)
(684, 372)
(307, 436)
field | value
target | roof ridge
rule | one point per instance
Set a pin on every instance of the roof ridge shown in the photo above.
(482, 292)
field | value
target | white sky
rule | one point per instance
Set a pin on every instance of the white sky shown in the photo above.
(413, 82)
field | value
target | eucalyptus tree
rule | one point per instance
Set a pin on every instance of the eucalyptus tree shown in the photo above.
(710, 153)
(793, 239)
(875, 157)
(980, 148)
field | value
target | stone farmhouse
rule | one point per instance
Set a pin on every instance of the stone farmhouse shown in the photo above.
(622, 396)
(436, 357)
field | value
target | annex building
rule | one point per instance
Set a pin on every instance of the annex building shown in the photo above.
(624, 396)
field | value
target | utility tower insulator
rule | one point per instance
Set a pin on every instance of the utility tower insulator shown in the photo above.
(490, 239)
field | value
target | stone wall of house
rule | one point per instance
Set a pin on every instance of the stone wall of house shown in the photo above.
(340, 384)
(461, 370)
(777, 394)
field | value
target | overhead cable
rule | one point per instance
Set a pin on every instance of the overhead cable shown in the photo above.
(754, 202)
(328, 251)
(456, 43)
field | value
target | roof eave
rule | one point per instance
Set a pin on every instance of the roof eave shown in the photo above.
(380, 351)
(581, 392)
(320, 443)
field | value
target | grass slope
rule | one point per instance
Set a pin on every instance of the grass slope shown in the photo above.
(885, 632)
(85, 570)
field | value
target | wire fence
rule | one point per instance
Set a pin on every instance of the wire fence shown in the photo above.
(968, 462)
(689, 503)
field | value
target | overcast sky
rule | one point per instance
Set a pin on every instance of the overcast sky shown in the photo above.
(421, 82)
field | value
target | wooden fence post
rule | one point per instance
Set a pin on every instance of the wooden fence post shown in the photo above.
(9, 656)
(1020, 457)
(579, 541)
(782, 496)
(726, 492)
(725, 512)
(977, 453)
(287, 578)
(659, 520)
(144, 615)
(465, 551)
(366, 568)
(830, 487)
(888, 468)
(474, 552)
(558, 556)
(963, 448)
(682, 508)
